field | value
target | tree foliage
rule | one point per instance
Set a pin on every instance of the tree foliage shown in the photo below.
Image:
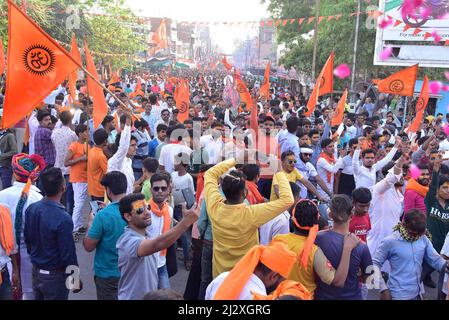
(110, 35)
(337, 35)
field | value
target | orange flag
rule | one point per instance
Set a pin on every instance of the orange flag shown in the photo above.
(265, 88)
(73, 76)
(114, 78)
(339, 112)
(420, 106)
(324, 84)
(182, 98)
(245, 96)
(401, 83)
(2, 58)
(95, 91)
(159, 38)
(138, 90)
(226, 63)
(37, 64)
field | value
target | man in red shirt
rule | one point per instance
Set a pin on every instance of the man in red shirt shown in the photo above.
(360, 223)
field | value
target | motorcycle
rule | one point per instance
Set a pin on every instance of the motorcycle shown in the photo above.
(436, 8)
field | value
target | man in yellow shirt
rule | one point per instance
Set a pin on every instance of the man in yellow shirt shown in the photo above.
(235, 224)
(293, 175)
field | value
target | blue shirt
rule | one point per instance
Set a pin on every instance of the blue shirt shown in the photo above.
(331, 243)
(152, 147)
(48, 235)
(107, 227)
(406, 259)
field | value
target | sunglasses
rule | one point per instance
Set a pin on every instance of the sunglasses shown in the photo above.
(157, 189)
(140, 211)
(306, 155)
(292, 161)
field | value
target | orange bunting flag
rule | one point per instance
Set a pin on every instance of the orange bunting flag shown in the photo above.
(337, 117)
(265, 88)
(420, 106)
(37, 64)
(324, 84)
(182, 99)
(73, 76)
(226, 63)
(95, 90)
(401, 83)
(2, 58)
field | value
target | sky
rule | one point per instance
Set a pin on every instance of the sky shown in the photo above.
(208, 11)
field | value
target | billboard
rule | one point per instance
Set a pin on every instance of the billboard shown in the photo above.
(412, 37)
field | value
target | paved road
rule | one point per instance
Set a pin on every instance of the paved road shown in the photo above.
(178, 282)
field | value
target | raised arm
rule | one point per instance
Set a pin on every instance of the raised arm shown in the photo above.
(115, 163)
(264, 212)
(211, 177)
(382, 163)
(391, 178)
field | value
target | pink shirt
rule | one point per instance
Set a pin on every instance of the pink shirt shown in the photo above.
(413, 200)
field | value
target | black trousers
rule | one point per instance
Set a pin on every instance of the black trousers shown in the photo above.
(194, 280)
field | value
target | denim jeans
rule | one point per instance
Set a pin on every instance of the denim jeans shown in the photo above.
(6, 177)
(206, 269)
(162, 274)
(50, 286)
(68, 195)
(5, 287)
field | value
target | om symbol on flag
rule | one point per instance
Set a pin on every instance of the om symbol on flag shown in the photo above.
(39, 60)
(396, 86)
(183, 107)
(420, 104)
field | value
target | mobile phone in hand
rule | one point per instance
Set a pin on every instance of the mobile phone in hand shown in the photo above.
(189, 197)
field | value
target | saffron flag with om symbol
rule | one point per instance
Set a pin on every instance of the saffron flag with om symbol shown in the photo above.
(324, 84)
(182, 98)
(73, 76)
(100, 109)
(421, 104)
(401, 83)
(37, 64)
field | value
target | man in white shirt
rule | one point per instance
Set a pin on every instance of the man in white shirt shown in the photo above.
(259, 271)
(165, 119)
(11, 197)
(122, 159)
(365, 174)
(178, 141)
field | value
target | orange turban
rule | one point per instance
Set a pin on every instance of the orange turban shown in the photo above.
(276, 256)
(286, 288)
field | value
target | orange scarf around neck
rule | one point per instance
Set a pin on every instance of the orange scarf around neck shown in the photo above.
(331, 160)
(412, 184)
(164, 212)
(253, 189)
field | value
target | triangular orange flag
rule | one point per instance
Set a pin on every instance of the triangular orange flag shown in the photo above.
(2, 58)
(138, 90)
(245, 97)
(406, 27)
(400, 83)
(420, 106)
(37, 64)
(337, 117)
(115, 78)
(73, 76)
(265, 88)
(417, 31)
(324, 84)
(398, 22)
(95, 91)
(182, 99)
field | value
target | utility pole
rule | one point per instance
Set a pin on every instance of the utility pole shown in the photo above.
(356, 40)
(315, 36)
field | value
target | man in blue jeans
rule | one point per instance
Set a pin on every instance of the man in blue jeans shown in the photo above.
(49, 241)
(103, 231)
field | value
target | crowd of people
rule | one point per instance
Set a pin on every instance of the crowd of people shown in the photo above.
(297, 209)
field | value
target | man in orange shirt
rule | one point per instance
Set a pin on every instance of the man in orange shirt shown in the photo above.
(97, 165)
(76, 159)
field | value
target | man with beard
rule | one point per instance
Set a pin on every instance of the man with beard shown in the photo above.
(259, 271)
(365, 174)
(416, 190)
(137, 251)
(406, 250)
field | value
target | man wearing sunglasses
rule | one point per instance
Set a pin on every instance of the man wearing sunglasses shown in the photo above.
(138, 250)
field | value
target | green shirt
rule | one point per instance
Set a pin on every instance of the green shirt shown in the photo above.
(146, 190)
